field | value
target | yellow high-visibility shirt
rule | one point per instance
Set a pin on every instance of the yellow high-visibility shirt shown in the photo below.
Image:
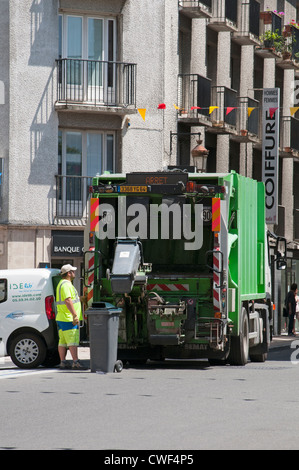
(65, 289)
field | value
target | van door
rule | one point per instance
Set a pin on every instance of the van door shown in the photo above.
(3, 298)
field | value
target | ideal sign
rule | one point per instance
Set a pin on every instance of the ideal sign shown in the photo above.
(271, 102)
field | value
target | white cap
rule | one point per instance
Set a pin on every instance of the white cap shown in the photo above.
(66, 268)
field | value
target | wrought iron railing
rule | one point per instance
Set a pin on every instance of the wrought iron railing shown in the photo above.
(289, 137)
(225, 9)
(249, 115)
(71, 196)
(194, 94)
(96, 82)
(225, 98)
(250, 17)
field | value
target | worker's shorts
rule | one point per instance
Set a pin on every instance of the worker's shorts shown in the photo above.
(68, 335)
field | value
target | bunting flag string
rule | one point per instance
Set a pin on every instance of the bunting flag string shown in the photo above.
(227, 109)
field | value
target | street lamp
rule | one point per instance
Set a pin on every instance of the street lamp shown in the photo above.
(200, 155)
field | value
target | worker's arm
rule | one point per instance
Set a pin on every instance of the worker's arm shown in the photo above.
(70, 306)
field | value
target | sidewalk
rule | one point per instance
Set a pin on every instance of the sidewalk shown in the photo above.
(283, 341)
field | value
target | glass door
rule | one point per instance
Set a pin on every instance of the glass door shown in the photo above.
(74, 72)
(101, 60)
(95, 54)
(70, 169)
(88, 47)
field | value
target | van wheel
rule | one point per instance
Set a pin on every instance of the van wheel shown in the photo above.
(27, 351)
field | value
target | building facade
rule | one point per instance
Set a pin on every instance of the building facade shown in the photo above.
(128, 85)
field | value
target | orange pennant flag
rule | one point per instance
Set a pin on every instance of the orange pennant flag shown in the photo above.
(249, 110)
(294, 110)
(142, 112)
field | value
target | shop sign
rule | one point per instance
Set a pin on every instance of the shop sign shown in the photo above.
(67, 243)
(271, 103)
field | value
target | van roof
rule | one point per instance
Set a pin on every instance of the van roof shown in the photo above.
(42, 272)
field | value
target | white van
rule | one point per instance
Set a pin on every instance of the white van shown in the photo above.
(28, 331)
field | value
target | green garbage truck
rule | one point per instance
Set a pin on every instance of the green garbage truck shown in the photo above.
(186, 256)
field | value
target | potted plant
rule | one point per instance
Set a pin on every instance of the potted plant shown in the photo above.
(266, 16)
(272, 40)
(286, 47)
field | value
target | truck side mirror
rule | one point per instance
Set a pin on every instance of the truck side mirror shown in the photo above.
(281, 264)
(281, 251)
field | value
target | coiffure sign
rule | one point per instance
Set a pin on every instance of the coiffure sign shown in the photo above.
(67, 243)
(271, 102)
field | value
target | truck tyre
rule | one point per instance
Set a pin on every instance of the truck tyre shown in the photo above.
(259, 353)
(27, 350)
(52, 359)
(239, 347)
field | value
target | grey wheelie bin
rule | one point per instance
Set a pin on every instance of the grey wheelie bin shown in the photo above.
(103, 320)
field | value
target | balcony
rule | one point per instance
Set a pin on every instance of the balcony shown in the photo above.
(270, 36)
(225, 15)
(96, 86)
(249, 30)
(279, 229)
(289, 137)
(290, 53)
(296, 225)
(248, 124)
(196, 8)
(224, 121)
(71, 199)
(194, 99)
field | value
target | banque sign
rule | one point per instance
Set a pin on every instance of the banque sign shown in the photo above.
(67, 243)
(270, 122)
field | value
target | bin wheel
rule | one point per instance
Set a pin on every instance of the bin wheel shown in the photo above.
(118, 367)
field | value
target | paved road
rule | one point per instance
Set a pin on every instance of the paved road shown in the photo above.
(175, 405)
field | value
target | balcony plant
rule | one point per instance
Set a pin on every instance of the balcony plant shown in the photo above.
(272, 40)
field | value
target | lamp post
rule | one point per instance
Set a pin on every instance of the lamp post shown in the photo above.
(200, 155)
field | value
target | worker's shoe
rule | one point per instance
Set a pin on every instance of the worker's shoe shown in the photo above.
(65, 365)
(78, 366)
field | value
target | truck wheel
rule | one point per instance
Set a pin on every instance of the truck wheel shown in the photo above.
(118, 367)
(239, 348)
(52, 359)
(27, 351)
(259, 353)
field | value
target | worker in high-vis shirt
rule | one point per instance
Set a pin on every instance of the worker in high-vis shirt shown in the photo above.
(69, 314)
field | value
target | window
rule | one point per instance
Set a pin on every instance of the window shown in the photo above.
(89, 45)
(81, 155)
(3, 290)
(84, 37)
(85, 153)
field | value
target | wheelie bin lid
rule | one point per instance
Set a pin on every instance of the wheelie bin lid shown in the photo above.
(103, 308)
